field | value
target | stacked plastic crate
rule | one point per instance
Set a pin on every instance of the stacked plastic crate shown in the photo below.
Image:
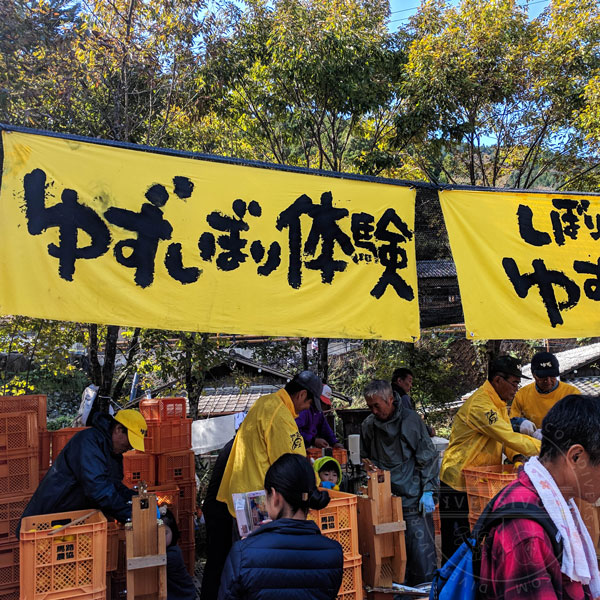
(169, 439)
(338, 521)
(23, 459)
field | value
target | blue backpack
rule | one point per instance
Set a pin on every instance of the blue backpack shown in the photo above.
(459, 578)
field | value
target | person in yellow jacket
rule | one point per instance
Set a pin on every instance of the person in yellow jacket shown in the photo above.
(268, 431)
(532, 402)
(481, 432)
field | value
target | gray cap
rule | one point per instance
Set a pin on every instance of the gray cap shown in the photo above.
(311, 383)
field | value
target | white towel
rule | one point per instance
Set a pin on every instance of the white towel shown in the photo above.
(579, 561)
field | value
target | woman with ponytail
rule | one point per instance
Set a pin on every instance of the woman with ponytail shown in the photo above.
(288, 558)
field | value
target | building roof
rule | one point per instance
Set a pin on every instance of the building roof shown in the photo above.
(229, 400)
(573, 359)
(587, 385)
(427, 269)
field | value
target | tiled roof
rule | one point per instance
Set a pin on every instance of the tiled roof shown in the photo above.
(574, 358)
(435, 268)
(586, 385)
(228, 400)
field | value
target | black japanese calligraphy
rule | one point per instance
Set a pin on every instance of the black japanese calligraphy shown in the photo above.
(546, 281)
(70, 217)
(317, 239)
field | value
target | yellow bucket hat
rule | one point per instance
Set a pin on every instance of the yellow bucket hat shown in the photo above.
(136, 426)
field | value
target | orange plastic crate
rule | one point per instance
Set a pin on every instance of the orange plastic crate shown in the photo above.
(338, 521)
(10, 515)
(176, 466)
(18, 433)
(35, 403)
(185, 523)
(138, 466)
(12, 593)
(167, 495)
(112, 545)
(45, 440)
(60, 437)
(187, 496)
(163, 409)
(483, 483)
(340, 454)
(168, 436)
(189, 557)
(437, 523)
(351, 587)
(70, 563)
(314, 453)
(19, 474)
(9, 565)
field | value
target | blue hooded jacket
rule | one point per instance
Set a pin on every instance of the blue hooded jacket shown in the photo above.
(86, 474)
(287, 559)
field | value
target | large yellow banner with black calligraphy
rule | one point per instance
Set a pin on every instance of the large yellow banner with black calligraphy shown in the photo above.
(97, 233)
(528, 264)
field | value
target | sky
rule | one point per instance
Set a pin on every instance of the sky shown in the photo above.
(402, 10)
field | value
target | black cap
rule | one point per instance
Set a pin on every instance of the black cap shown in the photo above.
(508, 365)
(544, 364)
(312, 383)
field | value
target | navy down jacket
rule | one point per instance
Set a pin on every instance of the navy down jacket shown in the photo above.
(286, 559)
(86, 474)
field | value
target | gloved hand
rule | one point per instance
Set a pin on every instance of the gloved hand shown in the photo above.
(426, 503)
(537, 434)
(328, 484)
(527, 427)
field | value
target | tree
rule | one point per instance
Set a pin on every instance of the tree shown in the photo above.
(492, 98)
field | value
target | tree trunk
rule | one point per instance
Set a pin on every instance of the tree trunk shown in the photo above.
(323, 363)
(131, 353)
(108, 368)
(95, 371)
(304, 350)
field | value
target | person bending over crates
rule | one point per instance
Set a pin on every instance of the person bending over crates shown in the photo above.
(396, 439)
(88, 473)
(481, 431)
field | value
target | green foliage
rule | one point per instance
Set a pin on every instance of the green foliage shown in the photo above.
(437, 379)
(299, 78)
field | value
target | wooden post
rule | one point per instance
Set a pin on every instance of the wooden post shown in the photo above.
(381, 532)
(145, 551)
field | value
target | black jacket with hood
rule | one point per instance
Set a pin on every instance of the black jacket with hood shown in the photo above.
(86, 475)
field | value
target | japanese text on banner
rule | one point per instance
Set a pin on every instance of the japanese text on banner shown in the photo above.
(114, 235)
(528, 264)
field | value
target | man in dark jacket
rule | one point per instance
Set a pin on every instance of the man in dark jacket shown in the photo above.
(88, 473)
(396, 439)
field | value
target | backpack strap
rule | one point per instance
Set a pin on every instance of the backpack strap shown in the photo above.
(525, 510)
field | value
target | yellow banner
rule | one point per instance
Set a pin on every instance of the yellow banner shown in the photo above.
(104, 234)
(528, 264)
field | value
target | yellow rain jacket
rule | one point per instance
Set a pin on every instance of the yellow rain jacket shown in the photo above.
(268, 431)
(532, 405)
(480, 432)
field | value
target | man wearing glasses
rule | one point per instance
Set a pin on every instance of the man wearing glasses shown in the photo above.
(481, 432)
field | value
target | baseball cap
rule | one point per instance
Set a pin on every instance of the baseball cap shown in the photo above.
(136, 426)
(544, 364)
(311, 383)
(509, 365)
(326, 395)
